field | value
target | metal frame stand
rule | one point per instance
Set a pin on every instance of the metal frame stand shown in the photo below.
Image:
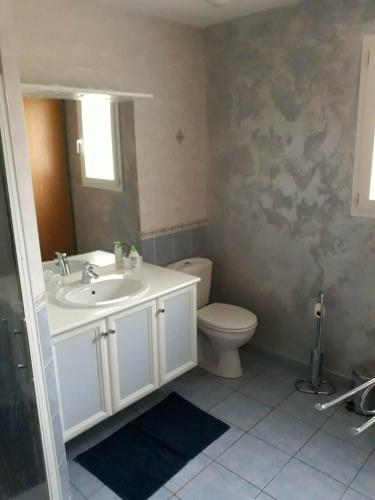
(316, 384)
(367, 387)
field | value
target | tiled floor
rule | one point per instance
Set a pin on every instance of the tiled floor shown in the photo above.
(278, 445)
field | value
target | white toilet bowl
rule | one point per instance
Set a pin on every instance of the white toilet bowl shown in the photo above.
(222, 330)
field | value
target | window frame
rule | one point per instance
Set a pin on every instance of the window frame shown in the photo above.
(112, 185)
(361, 205)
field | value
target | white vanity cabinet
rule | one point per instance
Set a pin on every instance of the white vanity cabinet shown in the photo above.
(177, 325)
(82, 377)
(133, 357)
(107, 365)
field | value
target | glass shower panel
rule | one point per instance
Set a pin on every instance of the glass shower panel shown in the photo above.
(22, 469)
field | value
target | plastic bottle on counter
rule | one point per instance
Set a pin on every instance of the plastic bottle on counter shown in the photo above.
(134, 257)
(119, 254)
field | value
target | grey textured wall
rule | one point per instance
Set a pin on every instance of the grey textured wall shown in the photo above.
(282, 105)
(102, 216)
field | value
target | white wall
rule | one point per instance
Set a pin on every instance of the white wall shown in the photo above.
(85, 43)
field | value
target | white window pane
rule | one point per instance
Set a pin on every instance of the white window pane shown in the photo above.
(97, 138)
(372, 182)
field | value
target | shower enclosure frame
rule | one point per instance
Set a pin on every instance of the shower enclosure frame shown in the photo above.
(25, 231)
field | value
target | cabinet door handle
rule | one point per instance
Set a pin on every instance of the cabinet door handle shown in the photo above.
(21, 366)
(161, 311)
(110, 332)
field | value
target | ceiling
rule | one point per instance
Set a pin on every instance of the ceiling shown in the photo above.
(200, 12)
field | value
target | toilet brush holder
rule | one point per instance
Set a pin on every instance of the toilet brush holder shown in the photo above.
(316, 384)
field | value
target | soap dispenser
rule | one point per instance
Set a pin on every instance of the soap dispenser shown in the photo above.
(134, 257)
(119, 256)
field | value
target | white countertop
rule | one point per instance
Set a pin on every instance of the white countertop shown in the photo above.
(159, 280)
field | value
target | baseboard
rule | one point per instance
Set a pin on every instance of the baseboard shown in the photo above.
(335, 378)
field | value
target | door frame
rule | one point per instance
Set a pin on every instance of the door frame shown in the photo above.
(26, 247)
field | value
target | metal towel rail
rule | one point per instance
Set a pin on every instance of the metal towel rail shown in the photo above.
(354, 430)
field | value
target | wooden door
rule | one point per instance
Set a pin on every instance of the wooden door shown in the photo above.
(46, 137)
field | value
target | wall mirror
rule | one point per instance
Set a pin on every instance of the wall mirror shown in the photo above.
(83, 162)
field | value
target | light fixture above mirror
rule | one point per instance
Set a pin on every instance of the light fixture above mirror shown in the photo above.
(217, 3)
(76, 93)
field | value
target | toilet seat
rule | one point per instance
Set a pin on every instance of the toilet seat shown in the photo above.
(226, 318)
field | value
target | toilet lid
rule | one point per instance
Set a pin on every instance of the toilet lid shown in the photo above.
(226, 317)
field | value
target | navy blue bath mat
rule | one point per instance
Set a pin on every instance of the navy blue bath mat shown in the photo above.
(141, 457)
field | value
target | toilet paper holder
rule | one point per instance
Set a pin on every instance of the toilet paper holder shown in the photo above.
(316, 384)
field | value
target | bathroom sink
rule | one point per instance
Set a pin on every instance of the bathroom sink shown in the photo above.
(101, 292)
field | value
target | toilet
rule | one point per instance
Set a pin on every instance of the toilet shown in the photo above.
(222, 328)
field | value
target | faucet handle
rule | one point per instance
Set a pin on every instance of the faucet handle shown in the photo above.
(89, 265)
(88, 272)
(61, 255)
(63, 263)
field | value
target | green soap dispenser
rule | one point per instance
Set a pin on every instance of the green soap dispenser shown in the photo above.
(134, 257)
(119, 254)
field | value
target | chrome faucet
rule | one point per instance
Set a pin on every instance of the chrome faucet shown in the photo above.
(88, 273)
(63, 263)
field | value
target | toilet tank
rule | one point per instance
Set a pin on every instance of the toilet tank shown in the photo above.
(197, 267)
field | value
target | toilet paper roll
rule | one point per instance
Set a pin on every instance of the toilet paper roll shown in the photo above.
(319, 310)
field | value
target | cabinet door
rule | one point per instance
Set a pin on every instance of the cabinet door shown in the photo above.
(177, 322)
(133, 354)
(83, 378)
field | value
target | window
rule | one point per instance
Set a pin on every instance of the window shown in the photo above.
(363, 203)
(98, 145)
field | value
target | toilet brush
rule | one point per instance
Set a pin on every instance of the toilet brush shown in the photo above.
(317, 385)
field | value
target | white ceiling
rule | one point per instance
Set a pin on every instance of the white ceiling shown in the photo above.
(200, 12)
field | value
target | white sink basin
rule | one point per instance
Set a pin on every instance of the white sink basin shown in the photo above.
(101, 292)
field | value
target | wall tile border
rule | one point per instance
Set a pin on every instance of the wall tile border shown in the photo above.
(184, 243)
